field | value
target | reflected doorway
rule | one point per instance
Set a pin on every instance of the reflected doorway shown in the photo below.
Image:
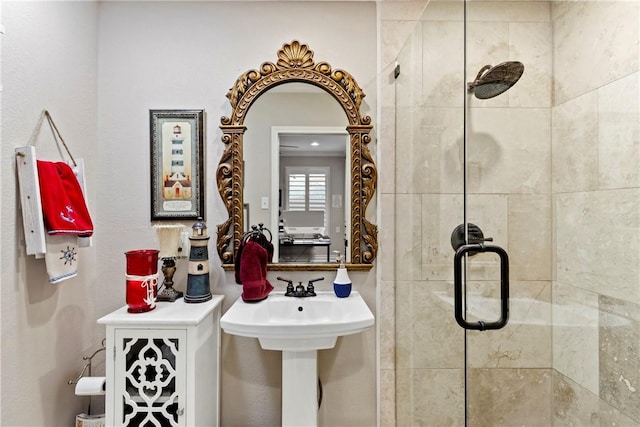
(310, 166)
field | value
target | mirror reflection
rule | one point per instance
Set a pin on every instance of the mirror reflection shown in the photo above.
(312, 199)
(294, 173)
(312, 225)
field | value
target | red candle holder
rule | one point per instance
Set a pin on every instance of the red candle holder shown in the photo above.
(142, 280)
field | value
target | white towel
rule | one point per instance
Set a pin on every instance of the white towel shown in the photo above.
(61, 257)
(66, 217)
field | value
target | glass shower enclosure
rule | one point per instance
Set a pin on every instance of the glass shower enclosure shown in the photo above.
(549, 171)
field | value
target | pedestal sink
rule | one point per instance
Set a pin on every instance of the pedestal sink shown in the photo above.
(298, 327)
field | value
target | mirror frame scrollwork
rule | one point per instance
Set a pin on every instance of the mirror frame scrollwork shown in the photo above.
(296, 64)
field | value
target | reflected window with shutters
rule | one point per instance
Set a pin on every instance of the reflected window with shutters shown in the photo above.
(307, 190)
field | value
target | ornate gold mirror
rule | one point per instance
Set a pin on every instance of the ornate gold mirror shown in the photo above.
(296, 64)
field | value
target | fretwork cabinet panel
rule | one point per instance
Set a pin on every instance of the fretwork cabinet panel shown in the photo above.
(164, 365)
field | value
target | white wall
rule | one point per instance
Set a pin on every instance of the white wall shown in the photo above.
(49, 61)
(99, 67)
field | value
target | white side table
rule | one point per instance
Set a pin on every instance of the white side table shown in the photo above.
(163, 366)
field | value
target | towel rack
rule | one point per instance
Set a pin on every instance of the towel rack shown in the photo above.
(29, 188)
(257, 231)
(87, 366)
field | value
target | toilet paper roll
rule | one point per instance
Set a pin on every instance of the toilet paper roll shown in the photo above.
(91, 386)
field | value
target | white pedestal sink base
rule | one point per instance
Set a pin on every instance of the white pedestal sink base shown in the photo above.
(299, 327)
(299, 388)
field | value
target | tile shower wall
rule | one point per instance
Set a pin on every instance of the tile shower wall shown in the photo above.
(512, 204)
(596, 204)
(553, 177)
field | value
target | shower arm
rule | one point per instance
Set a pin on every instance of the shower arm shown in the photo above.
(474, 83)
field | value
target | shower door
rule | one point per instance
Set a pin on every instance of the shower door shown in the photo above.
(550, 172)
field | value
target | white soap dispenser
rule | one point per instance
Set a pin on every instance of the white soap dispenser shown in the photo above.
(342, 282)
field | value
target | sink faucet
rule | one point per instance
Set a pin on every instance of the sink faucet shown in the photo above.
(299, 291)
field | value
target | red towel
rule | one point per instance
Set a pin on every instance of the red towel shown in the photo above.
(253, 272)
(262, 241)
(63, 205)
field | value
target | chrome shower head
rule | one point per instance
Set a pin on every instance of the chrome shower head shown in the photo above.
(492, 81)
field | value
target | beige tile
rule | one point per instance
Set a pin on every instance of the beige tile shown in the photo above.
(409, 56)
(408, 235)
(595, 43)
(575, 144)
(610, 416)
(386, 237)
(509, 397)
(575, 335)
(510, 11)
(427, 335)
(387, 398)
(530, 43)
(430, 397)
(526, 340)
(440, 153)
(386, 319)
(442, 64)
(436, 338)
(441, 214)
(573, 405)
(395, 36)
(529, 237)
(619, 133)
(405, 10)
(404, 350)
(597, 242)
(443, 10)
(429, 150)
(501, 138)
(413, 152)
(386, 161)
(620, 355)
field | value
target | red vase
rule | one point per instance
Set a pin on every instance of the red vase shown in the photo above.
(142, 280)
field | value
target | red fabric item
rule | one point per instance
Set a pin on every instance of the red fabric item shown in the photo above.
(260, 240)
(253, 272)
(238, 262)
(63, 205)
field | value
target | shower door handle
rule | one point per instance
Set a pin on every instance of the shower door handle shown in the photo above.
(504, 287)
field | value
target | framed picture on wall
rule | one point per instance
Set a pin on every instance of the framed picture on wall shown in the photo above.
(177, 158)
